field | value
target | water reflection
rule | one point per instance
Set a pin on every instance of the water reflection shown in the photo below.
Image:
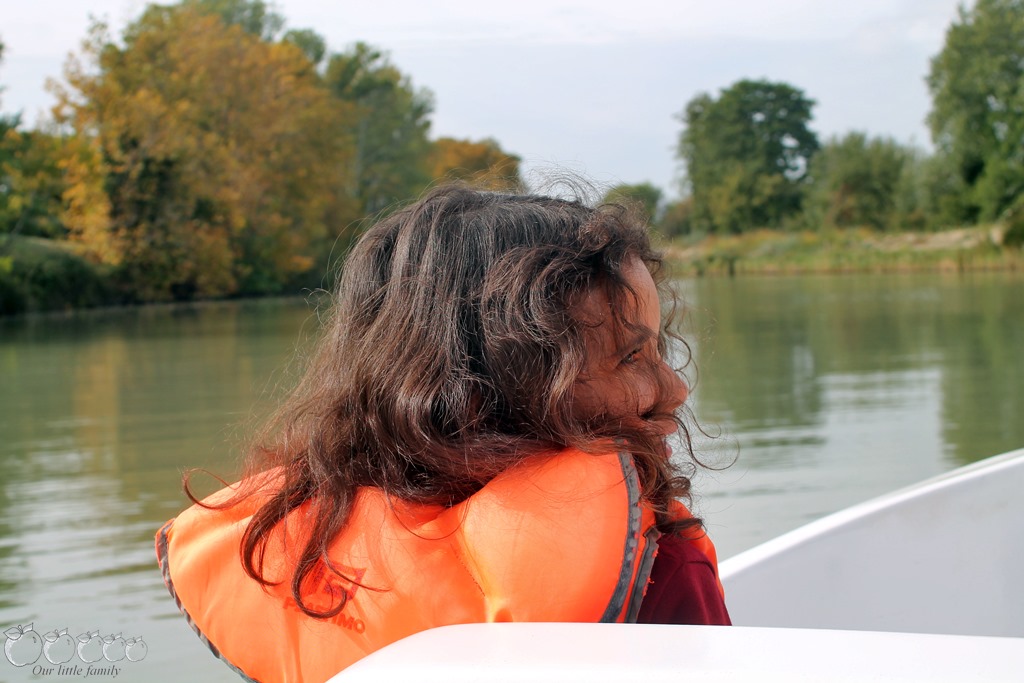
(755, 358)
(983, 381)
(98, 416)
(830, 389)
(838, 389)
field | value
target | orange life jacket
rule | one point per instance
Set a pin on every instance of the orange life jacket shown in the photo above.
(560, 537)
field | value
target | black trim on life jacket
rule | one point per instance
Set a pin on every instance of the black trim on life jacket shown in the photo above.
(627, 587)
(165, 570)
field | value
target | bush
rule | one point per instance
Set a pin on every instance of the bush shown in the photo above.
(44, 275)
(12, 298)
(1014, 235)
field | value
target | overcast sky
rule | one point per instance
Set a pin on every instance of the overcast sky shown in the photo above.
(589, 85)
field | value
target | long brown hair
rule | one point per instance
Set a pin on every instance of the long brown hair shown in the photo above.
(450, 354)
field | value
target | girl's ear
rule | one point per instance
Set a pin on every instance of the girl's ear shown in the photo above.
(476, 400)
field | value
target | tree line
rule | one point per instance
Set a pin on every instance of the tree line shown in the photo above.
(209, 152)
(752, 161)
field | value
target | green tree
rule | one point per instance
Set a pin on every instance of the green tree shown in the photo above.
(259, 19)
(930, 194)
(255, 17)
(677, 218)
(854, 181)
(643, 196)
(977, 117)
(391, 154)
(309, 41)
(31, 181)
(206, 161)
(746, 155)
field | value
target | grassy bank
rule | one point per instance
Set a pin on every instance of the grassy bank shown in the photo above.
(847, 251)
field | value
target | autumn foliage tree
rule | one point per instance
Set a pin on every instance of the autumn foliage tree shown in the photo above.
(484, 163)
(211, 151)
(208, 160)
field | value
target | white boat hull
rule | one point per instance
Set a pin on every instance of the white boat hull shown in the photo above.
(615, 653)
(944, 556)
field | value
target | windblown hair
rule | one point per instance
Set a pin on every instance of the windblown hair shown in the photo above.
(451, 354)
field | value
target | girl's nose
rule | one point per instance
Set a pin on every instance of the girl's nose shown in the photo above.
(678, 391)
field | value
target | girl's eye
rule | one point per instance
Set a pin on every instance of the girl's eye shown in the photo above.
(632, 357)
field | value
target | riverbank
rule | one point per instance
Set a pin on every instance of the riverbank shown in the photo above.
(39, 275)
(847, 251)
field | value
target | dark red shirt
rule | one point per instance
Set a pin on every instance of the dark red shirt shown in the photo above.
(683, 588)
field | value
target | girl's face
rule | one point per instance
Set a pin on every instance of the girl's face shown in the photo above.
(625, 375)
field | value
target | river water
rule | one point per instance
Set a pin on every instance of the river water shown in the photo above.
(825, 390)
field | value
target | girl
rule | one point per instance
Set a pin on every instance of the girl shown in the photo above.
(481, 436)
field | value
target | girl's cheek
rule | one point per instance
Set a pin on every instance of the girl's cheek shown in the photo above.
(642, 398)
